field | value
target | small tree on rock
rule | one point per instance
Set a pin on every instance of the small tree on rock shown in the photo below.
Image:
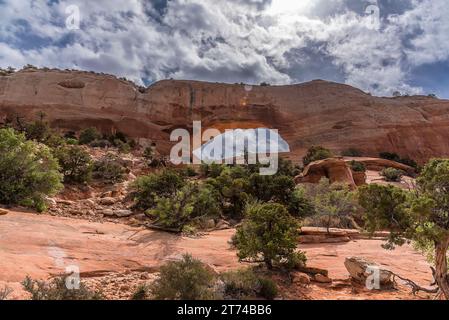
(269, 232)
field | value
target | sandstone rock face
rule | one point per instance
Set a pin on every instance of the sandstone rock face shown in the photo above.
(377, 164)
(316, 113)
(360, 269)
(334, 169)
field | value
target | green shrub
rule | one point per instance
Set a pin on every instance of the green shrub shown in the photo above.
(148, 154)
(187, 279)
(75, 164)
(316, 153)
(28, 171)
(146, 189)
(392, 174)
(57, 289)
(390, 156)
(395, 157)
(275, 188)
(89, 135)
(409, 162)
(123, 147)
(141, 293)
(234, 189)
(109, 169)
(352, 152)
(268, 232)
(335, 205)
(268, 289)
(212, 170)
(246, 284)
(190, 172)
(181, 208)
(72, 141)
(300, 205)
(357, 166)
(38, 131)
(101, 143)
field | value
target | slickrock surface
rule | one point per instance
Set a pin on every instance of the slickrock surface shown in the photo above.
(322, 113)
(116, 257)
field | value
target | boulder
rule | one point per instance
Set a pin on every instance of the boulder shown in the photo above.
(3, 212)
(107, 201)
(312, 271)
(321, 278)
(360, 269)
(335, 169)
(222, 225)
(301, 278)
(107, 212)
(209, 224)
(122, 213)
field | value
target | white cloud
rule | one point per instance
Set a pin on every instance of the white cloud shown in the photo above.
(228, 41)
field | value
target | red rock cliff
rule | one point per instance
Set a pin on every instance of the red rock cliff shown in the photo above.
(333, 115)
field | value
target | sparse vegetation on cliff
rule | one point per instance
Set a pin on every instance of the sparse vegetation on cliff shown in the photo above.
(316, 153)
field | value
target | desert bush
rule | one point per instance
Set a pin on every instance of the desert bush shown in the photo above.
(181, 208)
(352, 152)
(392, 174)
(28, 171)
(5, 292)
(56, 289)
(146, 189)
(390, 156)
(335, 205)
(316, 153)
(123, 147)
(89, 135)
(247, 284)
(212, 170)
(275, 188)
(395, 157)
(234, 189)
(109, 169)
(190, 172)
(300, 205)
(187, 279)
(148, 154)
(75, 164)
(142, 292)
(38, 130)
(409, 162)
(357, 166)
(268, 233)
(100, 143)
(71, 141)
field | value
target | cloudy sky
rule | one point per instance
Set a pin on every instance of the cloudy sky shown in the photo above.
(379, 46)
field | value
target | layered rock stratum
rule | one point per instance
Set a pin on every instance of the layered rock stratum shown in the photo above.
(315, 113)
